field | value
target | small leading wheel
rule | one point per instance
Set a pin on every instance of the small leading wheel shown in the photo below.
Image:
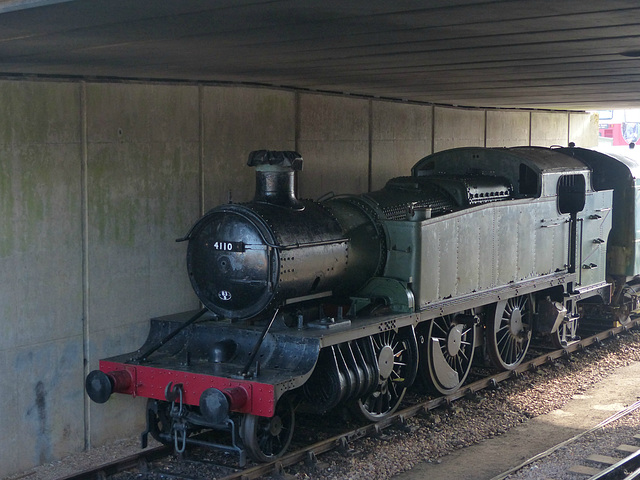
(627, 305)
(396, 356)
(268, 438)
(159, 421)
(446, 346)
(566, 333)
(509, 332)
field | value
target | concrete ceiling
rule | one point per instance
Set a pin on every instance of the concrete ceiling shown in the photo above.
(552, 54)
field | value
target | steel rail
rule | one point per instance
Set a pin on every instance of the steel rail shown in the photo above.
(399, 418)
(117, 466)
(340, 441)
(626, 469)
(546, 453)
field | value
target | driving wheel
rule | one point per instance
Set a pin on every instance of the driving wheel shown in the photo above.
(396, 356)
(446, 345)
(509, 332)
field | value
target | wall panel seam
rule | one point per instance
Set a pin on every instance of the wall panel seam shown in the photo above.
(202, 149)
(370, 152)
(84, 208)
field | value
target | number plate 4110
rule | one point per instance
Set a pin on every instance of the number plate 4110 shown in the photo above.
(228, 246)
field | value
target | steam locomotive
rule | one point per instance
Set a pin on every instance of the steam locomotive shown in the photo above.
(353, 299)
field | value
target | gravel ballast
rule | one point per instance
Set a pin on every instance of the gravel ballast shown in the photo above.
(444, 431)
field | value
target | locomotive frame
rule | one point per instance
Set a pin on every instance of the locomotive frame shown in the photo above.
(425, 298)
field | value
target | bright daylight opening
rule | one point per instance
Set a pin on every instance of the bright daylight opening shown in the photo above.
(619, 132)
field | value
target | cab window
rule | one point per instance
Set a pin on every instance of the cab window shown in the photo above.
(571, 193)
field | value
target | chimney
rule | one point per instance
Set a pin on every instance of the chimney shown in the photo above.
(275, 177)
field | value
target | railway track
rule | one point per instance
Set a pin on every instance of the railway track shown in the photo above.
(143, 461)
(616, 468)
(627, 468)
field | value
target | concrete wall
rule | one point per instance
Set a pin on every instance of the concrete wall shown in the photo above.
(142, 165)
(237, 121)
(400, 136)
(41, 345)
(333, 136)
(508, 129)
(96, 182)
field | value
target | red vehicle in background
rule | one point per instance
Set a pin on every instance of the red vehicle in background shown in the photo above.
(619, 128)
